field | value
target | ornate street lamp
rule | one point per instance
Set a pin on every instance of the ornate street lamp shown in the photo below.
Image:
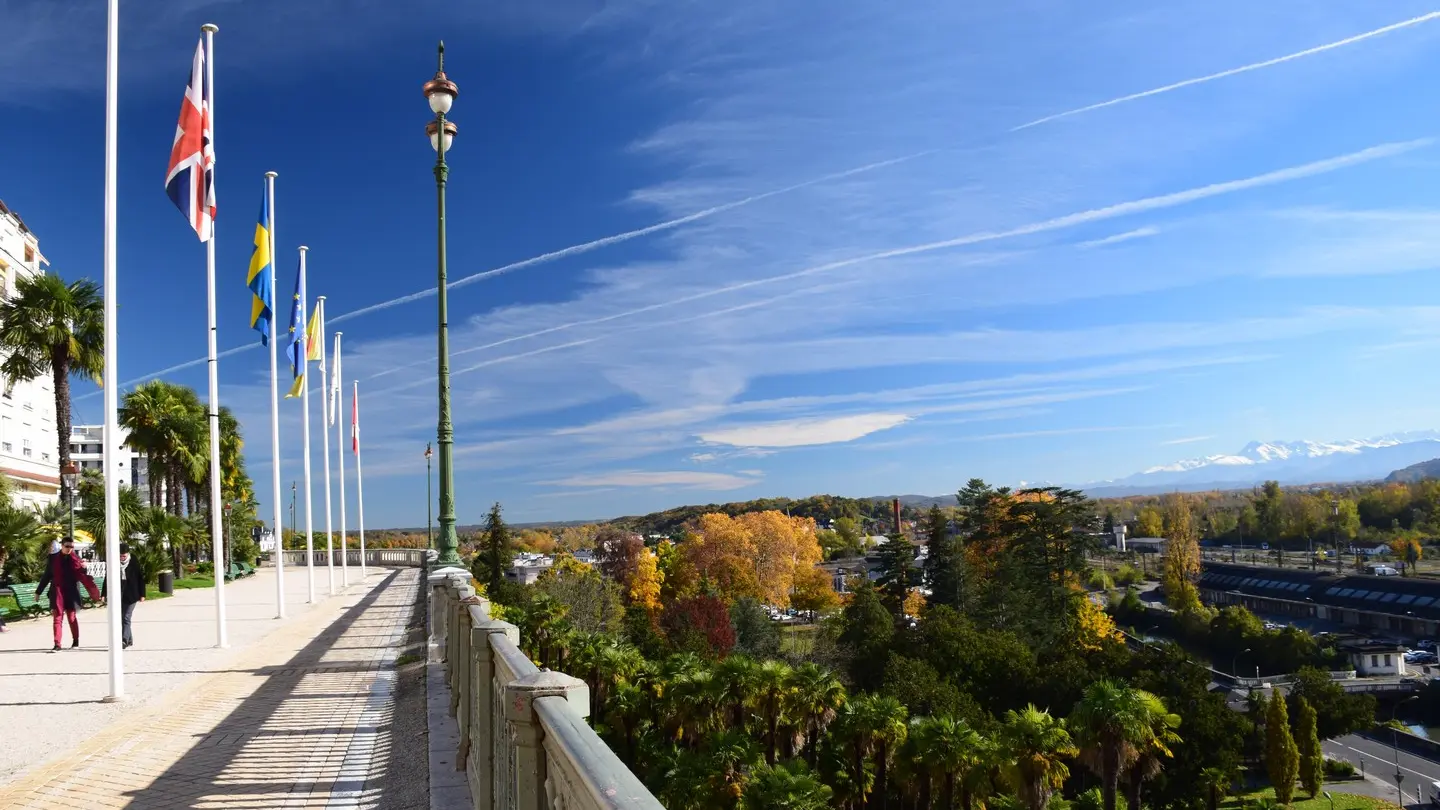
(441, 93)
(429, 537)
(70, 474)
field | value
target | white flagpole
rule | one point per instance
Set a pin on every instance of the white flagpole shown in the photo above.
(325, 446)
(111, 391)
(305, 426)
(359, 472)
(335, 401)
(275, 417)
(217, 528)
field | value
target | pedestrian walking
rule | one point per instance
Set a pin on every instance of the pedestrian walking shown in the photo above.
(64, 574)
(132, 592)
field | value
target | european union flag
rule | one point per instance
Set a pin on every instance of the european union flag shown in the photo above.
(262, 295)
(296, 350)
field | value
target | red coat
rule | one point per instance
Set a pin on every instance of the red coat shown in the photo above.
(65, 572)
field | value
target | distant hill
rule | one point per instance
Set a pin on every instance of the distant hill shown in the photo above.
(1416, 472)
(873, 511)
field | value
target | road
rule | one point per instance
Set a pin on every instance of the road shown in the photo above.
(1379, 762)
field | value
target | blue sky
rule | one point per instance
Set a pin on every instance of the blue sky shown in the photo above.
(917, 242)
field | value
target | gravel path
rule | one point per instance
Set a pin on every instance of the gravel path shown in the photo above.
(49, 702)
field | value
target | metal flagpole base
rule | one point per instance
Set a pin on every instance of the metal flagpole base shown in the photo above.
(113, 699)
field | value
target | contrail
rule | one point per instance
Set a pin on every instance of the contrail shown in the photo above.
(1058, 223)
(1330, 46)
(575, 250)
(674, 223)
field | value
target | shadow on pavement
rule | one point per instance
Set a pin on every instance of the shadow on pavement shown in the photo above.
(321, 725)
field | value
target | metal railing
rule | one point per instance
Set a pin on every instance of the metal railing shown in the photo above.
(380, 557)
(524, 742)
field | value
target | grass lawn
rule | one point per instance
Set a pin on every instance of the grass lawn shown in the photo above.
(195, 582)
(1343, 801)
(798, 638)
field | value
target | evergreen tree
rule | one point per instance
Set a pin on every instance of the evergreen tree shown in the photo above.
(1282, 757)
(945, 562)
(1109, 522)
(897, 574)
(866, 630)
(1312, 760)
(496, 553)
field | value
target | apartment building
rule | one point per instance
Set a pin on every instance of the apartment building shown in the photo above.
(87, 451)
(28, 442)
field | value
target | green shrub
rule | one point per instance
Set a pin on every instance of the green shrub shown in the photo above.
(1099, 581)
(1337, 769)
(1127, 575)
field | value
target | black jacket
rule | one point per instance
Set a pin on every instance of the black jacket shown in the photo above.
(132, 583)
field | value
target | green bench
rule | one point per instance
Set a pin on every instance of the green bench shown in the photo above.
(246, 569)
(24, 593)
(234, 572)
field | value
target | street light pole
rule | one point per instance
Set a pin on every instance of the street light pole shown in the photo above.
(429, 536)
(229, 556)
(441, 92)
(1395, 744)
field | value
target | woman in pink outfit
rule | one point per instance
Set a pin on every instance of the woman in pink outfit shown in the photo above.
(64, 574)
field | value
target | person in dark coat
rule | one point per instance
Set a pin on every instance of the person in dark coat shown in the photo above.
(64, 574)
(132, 591)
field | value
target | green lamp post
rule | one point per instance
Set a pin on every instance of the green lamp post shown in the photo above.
(441, 92)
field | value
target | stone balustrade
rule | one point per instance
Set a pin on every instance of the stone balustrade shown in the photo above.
(379, 557)
(524, 742)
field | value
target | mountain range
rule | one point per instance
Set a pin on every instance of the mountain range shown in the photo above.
(1293, 462)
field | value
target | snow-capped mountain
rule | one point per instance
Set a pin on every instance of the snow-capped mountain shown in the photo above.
(1298, 462)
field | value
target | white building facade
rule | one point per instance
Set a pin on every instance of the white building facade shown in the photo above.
(87, 450)
(28, 442)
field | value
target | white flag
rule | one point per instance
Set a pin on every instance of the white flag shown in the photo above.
(334, 405)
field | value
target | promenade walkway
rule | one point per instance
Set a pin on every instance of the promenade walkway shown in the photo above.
(298, 713)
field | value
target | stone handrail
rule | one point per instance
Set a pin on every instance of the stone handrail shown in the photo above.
(524, 742)
(379, 557)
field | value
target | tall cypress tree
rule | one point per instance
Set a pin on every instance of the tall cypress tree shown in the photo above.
(944, 562)
(496, 553)
(1282, 757)
(1312, 760)
(897, 574)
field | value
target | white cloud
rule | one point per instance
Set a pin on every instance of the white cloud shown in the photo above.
(805, 432)
(686, 479)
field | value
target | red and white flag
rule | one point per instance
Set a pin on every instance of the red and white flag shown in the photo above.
(355, 421)
(190, 181)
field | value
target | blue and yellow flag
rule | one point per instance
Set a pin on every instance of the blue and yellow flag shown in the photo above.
(296, 350)
(262, 297)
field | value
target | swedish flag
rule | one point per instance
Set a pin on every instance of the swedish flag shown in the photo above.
(262, 296)
(296, 350)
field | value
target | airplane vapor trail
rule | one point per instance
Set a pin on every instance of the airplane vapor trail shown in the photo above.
(1279, 60)
(575, 250)
(670, 224)
(1057, 223)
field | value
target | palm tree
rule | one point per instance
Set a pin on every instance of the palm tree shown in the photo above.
(773, 685)
(91, 514)
(729, 756)
(817, 696)
(52, 327)
(1035, 746)
(1113, 723)
(618, 663)
(784, 787)
(1155, 748)
(875, 727)
(23, 545)
(166, 422)
(736, 682)
(952, 750)
(624, 715)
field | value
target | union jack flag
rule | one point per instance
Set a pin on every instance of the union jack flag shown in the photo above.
(190, 181)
